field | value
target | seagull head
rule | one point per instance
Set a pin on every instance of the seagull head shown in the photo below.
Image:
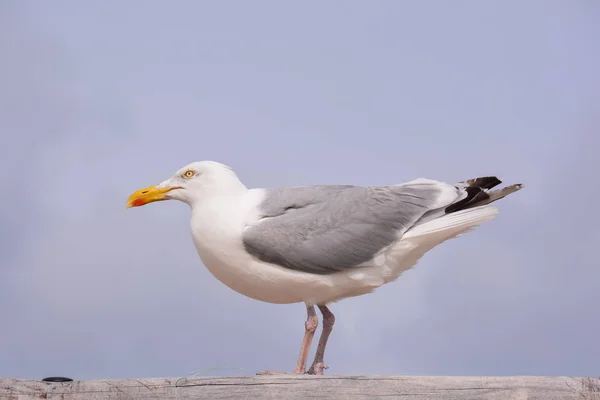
(189, 184)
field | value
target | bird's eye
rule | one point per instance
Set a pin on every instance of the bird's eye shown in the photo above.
(188, 174)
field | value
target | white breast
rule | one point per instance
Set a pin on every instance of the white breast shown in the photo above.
(217, 226)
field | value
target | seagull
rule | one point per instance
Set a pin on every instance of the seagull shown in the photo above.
(318, 244)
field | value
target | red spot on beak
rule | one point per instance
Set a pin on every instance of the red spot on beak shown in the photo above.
(138, 202)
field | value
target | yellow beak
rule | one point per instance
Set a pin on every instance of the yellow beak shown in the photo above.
(148, 195)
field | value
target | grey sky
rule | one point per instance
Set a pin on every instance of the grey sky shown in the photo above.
(99, 99)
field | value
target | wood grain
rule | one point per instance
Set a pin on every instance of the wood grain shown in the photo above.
(306, 387)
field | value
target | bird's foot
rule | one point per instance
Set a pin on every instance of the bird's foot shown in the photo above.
(317, 369)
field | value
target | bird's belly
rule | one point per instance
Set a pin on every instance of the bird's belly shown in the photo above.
(224, 256)
(259, 281)
(274, 284)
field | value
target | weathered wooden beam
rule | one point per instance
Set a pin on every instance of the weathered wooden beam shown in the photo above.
(303, 387)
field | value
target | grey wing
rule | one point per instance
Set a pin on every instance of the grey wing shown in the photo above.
(325, 229)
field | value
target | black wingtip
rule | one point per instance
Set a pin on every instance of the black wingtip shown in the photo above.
(484, 182)
(477, 193)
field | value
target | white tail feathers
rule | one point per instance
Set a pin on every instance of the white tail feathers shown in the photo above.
(418, 240)
(453, 224)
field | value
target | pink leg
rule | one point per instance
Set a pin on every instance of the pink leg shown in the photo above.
(310, 326)
(318, 364)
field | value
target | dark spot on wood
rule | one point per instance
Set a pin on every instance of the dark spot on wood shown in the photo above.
(57, 379)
